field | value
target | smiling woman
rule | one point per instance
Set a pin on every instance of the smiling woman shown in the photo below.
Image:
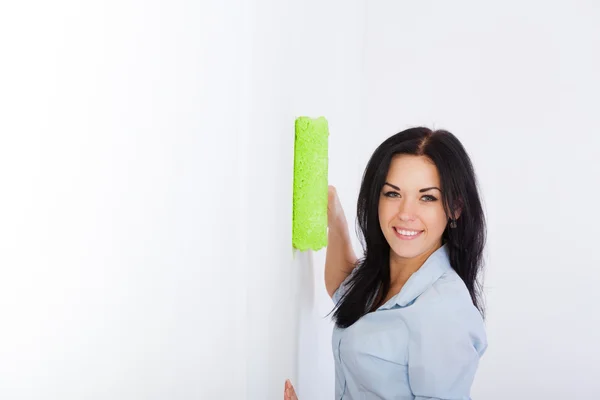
(408, 319)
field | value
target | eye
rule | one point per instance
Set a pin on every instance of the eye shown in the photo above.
(429, 198)
(392, 194)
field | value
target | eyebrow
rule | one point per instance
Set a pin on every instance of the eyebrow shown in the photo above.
(420, 191)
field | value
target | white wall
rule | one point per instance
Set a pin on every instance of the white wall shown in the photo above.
(146, 154)
(119, 273)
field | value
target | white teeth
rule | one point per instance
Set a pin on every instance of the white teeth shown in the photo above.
(407, 233)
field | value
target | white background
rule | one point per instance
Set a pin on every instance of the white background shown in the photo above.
(146, 153)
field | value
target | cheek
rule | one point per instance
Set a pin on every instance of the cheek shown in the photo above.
(436, 220)
(386, 213)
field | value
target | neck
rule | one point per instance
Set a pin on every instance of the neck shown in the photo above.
(402, 268)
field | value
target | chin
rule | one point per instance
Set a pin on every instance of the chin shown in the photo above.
(407, 251)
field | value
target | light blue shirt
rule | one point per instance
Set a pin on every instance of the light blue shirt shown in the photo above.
(424, 343)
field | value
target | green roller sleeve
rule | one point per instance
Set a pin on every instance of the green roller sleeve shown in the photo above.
(309, 225)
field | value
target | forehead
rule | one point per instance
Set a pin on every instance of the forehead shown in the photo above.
(408, 171)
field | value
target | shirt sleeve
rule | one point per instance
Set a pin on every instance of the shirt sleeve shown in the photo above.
(343, 288)
(443, 354)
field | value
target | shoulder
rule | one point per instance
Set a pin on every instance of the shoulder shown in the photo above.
(446, 309)
(451, 287)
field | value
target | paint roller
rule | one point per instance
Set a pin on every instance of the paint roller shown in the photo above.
(309, 226)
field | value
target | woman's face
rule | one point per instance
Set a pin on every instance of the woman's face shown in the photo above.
(411, 214)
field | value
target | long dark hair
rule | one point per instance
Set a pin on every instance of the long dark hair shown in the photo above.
(371, 281)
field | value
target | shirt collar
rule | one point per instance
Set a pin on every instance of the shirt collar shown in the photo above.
(434, 267)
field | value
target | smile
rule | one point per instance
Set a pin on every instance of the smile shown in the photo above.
(407, 234)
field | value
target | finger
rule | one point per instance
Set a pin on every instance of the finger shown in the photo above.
(293, 394)
(287, 390)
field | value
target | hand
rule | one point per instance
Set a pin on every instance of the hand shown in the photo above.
(335, 213)
(289, 393)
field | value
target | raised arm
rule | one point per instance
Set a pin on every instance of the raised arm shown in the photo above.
(340, 259)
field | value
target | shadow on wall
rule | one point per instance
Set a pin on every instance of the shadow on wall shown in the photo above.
(304, 289)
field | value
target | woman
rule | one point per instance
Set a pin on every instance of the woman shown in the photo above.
(409, 318)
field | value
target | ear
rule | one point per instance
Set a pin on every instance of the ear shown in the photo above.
(457, 210)
(457, 213)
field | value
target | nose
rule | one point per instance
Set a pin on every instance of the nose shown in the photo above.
(406, 211)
